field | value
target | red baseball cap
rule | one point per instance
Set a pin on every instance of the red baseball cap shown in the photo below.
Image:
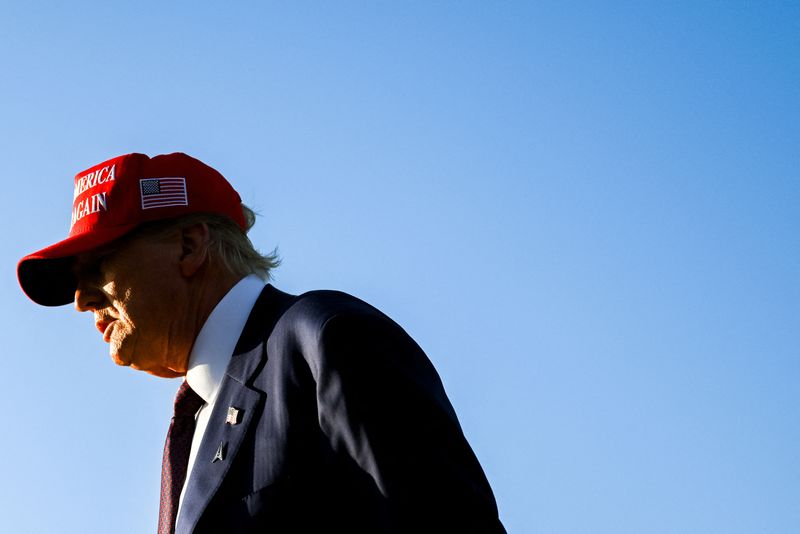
(114, 197)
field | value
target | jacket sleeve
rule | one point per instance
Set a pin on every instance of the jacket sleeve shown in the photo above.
(381, 403)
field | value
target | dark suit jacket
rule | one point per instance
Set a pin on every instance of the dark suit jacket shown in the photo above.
(343, 426)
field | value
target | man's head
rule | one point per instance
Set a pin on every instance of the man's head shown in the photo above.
(154, 244)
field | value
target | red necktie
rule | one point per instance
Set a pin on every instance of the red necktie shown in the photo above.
(176, 455)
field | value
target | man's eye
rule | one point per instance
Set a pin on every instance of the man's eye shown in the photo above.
(92, 266)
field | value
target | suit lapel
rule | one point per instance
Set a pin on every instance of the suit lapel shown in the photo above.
(222, 440)
(221, 443)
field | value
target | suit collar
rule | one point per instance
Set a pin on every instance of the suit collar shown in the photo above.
(266, 311)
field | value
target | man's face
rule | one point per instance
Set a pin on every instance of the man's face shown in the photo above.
(138, 297)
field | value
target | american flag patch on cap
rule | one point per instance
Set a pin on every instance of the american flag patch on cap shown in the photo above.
(163, 192)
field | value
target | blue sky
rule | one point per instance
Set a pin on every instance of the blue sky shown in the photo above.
(586, 213)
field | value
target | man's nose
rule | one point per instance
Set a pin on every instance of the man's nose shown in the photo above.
(88, 298)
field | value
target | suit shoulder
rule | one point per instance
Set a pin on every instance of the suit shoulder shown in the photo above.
(309, 312)
(319, 306)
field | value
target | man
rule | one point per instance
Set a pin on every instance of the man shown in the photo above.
(301, 413)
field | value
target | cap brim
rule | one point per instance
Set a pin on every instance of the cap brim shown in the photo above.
(46, 275)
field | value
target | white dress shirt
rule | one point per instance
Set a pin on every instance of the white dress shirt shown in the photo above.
(212, 353)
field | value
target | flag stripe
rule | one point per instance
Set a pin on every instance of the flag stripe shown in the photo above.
(170, 195)
(174, 200)
(170, 198)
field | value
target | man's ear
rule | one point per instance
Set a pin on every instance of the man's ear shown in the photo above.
(194, 248)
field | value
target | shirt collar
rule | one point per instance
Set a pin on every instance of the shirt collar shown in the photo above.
(213, 348)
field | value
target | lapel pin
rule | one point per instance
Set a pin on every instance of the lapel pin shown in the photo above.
(220, 455)
(233, 416)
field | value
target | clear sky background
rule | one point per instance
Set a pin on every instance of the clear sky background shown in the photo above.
(586, 213)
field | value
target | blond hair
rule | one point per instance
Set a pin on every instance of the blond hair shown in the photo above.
(228, 243)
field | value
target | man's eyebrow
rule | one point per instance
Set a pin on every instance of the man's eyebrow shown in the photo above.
(91, 260)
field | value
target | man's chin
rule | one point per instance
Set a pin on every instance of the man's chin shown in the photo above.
(119, 360)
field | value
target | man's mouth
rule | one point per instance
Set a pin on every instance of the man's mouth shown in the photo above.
(105, 328)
